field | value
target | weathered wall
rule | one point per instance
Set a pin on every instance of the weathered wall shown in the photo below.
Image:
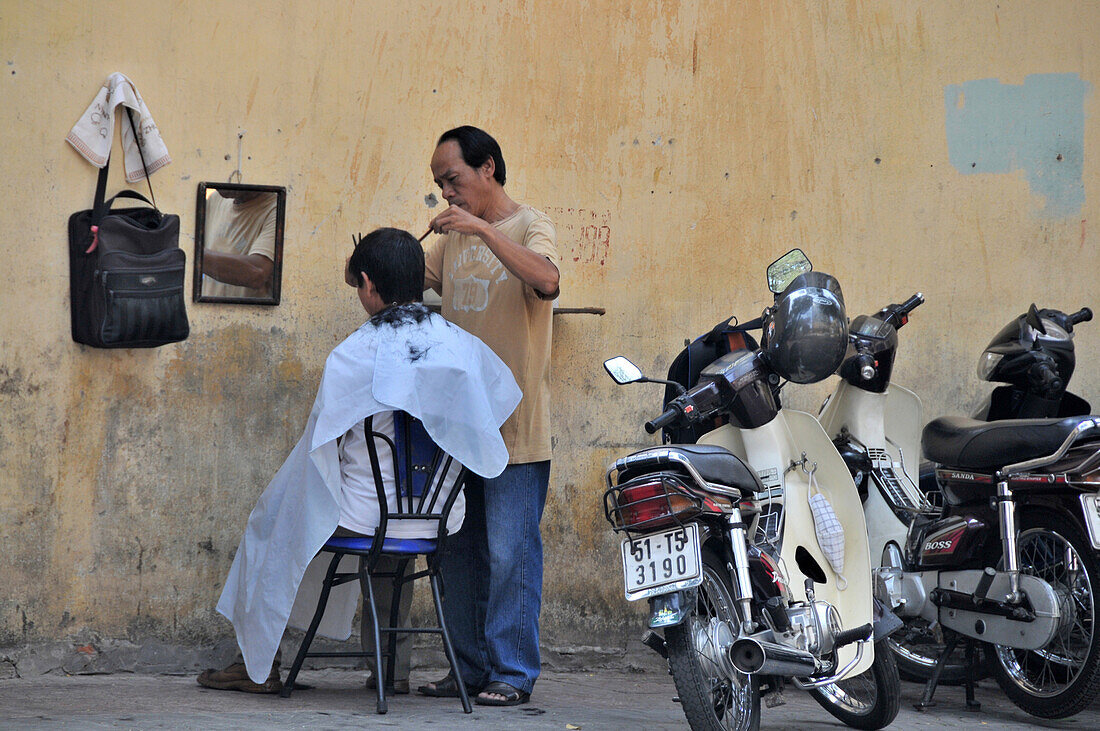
(680, 146)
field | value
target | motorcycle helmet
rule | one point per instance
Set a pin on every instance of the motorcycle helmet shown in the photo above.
(807, 331)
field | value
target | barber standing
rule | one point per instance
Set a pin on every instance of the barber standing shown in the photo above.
(496, 268)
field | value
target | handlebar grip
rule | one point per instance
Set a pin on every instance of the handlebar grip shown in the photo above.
(911, 304)
(1082, 315)
(1046, 378)
(898, 315)
(662, 421)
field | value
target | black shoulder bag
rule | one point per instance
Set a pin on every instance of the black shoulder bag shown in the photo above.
(126, 271)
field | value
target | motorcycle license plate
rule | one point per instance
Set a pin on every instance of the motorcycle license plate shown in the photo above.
(1091, 505)
(662, 562)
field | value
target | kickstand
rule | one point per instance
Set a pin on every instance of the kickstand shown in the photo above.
(971, 673)
(930, 686)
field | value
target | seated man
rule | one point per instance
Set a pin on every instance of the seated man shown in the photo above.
(404, 358)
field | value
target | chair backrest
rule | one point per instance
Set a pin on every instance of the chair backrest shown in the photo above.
(428, 480)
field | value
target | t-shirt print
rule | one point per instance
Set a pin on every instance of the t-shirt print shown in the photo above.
(473, 272)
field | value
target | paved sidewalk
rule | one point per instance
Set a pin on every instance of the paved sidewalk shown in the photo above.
(338, 700)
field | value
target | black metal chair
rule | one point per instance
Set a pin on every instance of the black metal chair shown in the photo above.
(421, 469)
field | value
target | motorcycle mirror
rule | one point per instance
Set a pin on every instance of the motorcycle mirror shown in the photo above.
(783, 270)
(622, 370)
(1032, 318)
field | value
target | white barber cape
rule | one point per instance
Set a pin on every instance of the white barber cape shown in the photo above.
(433, 370)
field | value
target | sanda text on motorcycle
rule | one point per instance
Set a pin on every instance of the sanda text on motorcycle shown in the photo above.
(661, 562)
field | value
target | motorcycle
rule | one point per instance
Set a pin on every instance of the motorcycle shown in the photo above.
(750, 545)
(1033, 356)
(1008, 565)
(876, 425)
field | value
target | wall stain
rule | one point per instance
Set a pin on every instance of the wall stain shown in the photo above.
(1037, 127)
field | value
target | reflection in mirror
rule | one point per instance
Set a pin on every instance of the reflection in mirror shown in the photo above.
(622, 370)
(783, 270)
(239, 243)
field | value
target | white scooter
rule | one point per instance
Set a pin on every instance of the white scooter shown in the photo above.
(780, 592)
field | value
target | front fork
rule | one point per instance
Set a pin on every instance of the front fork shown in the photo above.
(670, 609)
(742, 586)
(1006, 507)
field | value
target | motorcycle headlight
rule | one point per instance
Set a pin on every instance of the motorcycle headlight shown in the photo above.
(988, 363)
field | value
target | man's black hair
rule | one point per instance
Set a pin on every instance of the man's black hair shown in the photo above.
(477, 146)
(394, 262)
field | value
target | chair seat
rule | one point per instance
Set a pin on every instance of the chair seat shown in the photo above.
(363, 544)
(427, 482)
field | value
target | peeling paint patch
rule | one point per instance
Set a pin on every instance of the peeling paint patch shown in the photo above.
(1037, 127)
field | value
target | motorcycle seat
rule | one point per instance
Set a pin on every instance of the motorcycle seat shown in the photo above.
(969, 444)
(713, 463)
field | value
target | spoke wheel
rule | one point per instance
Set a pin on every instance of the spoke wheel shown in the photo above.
(870, 700)
(713, 694)
(1063, 677)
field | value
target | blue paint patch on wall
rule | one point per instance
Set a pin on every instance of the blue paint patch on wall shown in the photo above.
(1038, 127)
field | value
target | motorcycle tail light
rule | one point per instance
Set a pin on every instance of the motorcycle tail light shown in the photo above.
(649, 503)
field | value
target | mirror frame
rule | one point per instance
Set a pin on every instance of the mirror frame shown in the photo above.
(791, 253)
(200, 236)
(607, 367)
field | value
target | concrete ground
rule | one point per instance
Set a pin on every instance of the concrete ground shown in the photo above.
(604, 700)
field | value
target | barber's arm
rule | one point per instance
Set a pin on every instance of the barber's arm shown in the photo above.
(244, 270)
(531, 267)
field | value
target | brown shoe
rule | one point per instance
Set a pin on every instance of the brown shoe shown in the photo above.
(400, 687)
(235, 677)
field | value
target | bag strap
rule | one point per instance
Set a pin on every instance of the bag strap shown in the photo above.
(130, 116)
(100, 206)
(129, 194)
(812, 488)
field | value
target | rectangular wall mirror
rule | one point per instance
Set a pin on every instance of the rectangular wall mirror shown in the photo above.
(239, 243)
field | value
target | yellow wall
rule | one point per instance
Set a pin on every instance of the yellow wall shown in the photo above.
(680, 147)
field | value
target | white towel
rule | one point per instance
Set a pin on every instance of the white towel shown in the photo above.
(92, 133)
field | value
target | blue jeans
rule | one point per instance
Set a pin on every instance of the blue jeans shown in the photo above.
(492, 574)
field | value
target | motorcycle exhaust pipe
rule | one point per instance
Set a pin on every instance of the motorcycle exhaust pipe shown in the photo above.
(750, 656)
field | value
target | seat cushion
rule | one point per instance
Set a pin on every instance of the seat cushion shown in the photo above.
(956, 441)
(362, 544)
(714, 464)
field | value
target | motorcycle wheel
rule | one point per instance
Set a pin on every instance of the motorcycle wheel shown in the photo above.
(713, 695)
(1062, 678)
(870, 700)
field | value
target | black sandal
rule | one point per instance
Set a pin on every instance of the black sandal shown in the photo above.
(444, 688)
(512, 696)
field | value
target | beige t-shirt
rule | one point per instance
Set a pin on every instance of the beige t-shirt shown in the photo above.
(482, 297)
(248, 228)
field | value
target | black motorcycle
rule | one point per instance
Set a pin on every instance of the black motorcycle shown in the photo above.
(1033, 357)
(1007, 565)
